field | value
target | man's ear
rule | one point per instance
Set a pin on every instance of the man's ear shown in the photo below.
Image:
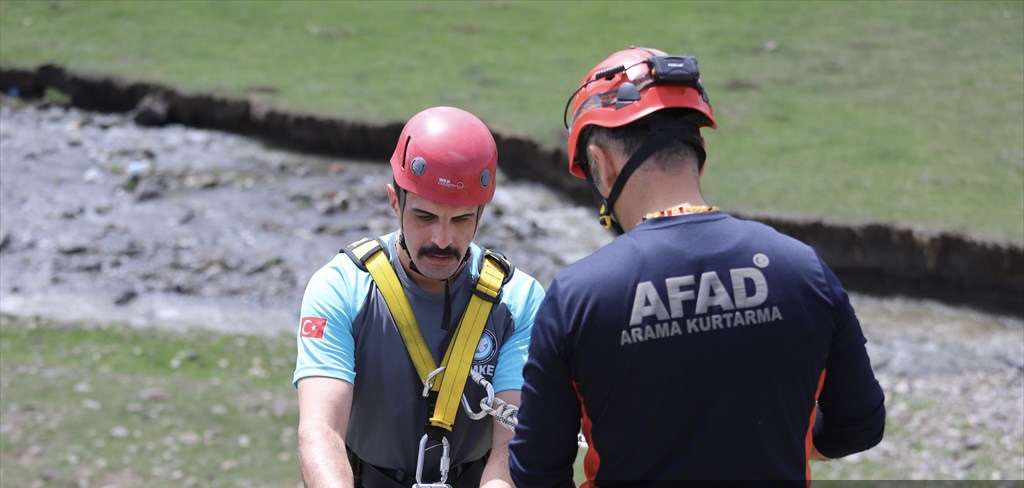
(393, 199)
(607, 165)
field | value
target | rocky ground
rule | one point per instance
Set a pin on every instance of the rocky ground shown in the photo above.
(101, 219)
(185, 227)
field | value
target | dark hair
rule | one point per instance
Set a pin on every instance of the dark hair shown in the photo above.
(685, 147)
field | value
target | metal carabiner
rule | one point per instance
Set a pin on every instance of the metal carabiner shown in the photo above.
(428, 383)
(485, 403)
(444, 465)
(469, 410)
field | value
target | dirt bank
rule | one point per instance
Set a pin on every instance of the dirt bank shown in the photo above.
(868, 257)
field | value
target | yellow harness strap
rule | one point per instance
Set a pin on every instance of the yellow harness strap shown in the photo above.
(450, 383)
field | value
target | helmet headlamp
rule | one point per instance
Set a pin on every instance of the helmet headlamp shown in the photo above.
(662, 70)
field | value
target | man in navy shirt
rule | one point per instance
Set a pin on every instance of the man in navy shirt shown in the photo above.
(694, 346)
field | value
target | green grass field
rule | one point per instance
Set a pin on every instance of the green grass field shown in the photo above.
(905, 111)
(115, 406)
(120, 406)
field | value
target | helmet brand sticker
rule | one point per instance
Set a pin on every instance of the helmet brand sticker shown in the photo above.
(445, 182)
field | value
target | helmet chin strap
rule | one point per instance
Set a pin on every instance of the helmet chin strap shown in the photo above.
(655, 141)
(604, 214)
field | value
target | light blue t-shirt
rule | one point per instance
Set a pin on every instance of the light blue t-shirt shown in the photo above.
(361, 344)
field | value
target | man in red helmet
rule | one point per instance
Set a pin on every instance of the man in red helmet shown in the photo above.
(432, 324)
(694, 346)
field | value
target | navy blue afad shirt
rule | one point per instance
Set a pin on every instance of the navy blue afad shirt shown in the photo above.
(693, 347)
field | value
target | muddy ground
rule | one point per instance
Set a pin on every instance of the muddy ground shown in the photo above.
(105, 220)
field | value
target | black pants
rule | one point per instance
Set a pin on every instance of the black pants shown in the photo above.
(465, 475)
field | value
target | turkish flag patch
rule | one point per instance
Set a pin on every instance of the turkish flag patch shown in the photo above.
(313, 327)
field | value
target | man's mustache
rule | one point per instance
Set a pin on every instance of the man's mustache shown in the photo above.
(433, 250)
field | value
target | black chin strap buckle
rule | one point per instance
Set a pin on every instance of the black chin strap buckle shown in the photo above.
(604, 213)
(607, 221)
(604, 217)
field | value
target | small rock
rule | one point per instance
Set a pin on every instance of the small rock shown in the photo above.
(69, 244)
(89, 266)
(92, 175)
(200, 181)
(125, 296)
(138, 167)
(189, 438)
(964, 464)
(197, 137)
(151, 111)
(148, 190)
(184, 218)
(153, 395)
(71, 213)
(119, 432)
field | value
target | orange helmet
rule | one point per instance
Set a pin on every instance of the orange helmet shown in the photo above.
(629, 85)
(446, 155)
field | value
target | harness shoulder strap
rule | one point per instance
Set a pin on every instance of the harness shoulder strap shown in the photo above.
(370, 254)
(495, 270)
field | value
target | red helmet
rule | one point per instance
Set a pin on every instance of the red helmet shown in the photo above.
(631, 84)
(446, 155)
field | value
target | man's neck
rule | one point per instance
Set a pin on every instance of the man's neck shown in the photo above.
(649, 195)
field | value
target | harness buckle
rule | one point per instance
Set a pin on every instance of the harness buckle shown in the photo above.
(445, 461)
